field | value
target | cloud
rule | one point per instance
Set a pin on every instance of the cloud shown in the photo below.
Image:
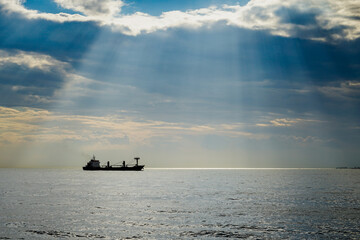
(29, 78)
(323, 20)
(19, 125)
(15, 7)
(287, 122)
(104, 8)
(349, 90)
(283, 122)
(30, 60)
(309, 139)
(39, 80)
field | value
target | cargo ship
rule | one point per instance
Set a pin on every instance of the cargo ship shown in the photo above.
(94, 165)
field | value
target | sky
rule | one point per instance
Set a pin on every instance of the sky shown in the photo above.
(181, 84)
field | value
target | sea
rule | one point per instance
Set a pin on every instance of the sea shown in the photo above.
(180, 204)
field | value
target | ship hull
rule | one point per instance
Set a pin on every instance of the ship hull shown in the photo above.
(134, 168)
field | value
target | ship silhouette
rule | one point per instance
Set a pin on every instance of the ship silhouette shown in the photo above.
(94, 165)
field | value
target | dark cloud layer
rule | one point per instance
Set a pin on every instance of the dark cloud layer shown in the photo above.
(65, 41)
(27, 87)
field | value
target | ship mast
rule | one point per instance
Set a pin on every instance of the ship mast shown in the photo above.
(137, 161)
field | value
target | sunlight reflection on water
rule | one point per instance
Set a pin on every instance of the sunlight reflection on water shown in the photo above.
(155, 204)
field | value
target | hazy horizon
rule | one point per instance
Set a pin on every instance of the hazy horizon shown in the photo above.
(181, 84)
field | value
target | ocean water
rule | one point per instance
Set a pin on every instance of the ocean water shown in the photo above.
(180, 204)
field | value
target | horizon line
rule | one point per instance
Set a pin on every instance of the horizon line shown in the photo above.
(190, 168)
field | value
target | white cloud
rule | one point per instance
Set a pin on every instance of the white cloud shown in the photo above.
(103, 8)
(30, 60)
(283, 122)
(286, 122)
(16, 7)
(256, 14)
